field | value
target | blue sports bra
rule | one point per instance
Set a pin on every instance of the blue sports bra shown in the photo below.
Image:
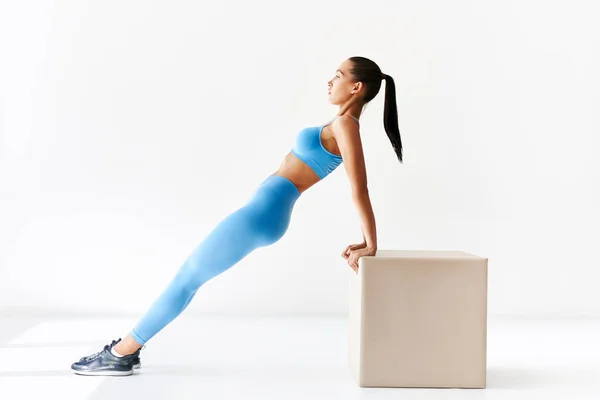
(311, 151)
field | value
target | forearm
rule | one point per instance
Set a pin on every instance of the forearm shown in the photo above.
(367, 218)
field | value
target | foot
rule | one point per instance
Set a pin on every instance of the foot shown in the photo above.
(106, 363)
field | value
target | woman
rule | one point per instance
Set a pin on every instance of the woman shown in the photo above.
(265, 218)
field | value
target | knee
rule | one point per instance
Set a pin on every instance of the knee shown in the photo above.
(188, 280)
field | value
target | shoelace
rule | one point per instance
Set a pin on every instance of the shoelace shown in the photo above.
(95, 355)
(108, 346)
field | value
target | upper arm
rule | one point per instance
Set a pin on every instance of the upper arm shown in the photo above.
(347, 136)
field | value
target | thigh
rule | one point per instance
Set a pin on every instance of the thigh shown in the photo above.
(231, 239)
(261, 222)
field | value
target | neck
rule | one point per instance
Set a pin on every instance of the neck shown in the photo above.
(352, 109)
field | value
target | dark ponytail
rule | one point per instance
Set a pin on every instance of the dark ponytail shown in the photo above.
(366, 71)
(390, 116)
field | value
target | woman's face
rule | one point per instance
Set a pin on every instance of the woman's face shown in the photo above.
(340, 86)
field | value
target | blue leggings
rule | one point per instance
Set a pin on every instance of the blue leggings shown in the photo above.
(261, 222)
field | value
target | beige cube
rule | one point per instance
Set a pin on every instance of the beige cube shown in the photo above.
(418, 318)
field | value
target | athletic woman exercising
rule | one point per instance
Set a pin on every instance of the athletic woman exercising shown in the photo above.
(265, 218)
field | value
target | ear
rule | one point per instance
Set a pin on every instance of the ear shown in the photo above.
(357, 87)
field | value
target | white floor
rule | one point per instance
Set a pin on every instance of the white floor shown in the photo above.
(250, 357)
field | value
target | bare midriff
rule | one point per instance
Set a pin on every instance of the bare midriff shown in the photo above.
(298, 172)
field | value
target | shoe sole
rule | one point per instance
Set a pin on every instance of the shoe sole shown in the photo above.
(103, 373)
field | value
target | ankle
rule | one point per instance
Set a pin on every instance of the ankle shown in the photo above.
(123, 350)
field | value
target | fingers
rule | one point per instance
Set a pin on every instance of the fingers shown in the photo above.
(353, 265)
(349, 249)
(353, 261)
(345, 252)
(350, 257)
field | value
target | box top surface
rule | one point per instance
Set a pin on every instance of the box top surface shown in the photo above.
(389, 253)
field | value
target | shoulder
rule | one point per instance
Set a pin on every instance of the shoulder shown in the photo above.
(344, 126)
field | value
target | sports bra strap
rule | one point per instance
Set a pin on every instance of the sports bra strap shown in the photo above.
(354, 118)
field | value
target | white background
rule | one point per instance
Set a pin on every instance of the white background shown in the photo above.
(130, 128)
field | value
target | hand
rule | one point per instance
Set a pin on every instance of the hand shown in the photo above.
(355, 251)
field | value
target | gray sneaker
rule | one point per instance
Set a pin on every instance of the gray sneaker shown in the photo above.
(105, 363)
